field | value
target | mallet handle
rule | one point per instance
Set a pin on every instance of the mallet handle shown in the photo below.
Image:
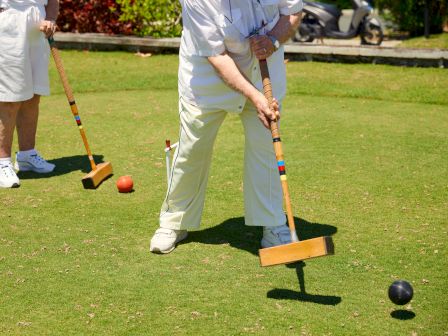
(70, 98)
(267, 88)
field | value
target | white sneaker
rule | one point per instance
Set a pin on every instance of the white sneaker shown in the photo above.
(8, 177)
(32, 161)
(275, 235)
(165, 240)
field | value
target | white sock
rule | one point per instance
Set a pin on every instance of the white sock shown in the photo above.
(5, 160)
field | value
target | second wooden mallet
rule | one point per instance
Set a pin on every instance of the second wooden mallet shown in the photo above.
(296, 250)
(100, 171)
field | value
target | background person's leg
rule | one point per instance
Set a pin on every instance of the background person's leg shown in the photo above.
(37, 60)
(8, 115)
(27, 158)
(27, 118)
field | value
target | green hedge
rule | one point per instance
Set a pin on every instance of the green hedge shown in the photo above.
(409, 15)
(156, 18)
(162, 18)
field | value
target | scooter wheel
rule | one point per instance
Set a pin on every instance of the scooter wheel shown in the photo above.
(372, 36)
(302, 38)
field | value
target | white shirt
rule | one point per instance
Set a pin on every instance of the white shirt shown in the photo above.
(213, 26)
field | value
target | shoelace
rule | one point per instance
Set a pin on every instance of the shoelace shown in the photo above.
(36, 158)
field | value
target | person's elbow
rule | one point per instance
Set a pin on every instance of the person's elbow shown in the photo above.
(295, 20)
(217, 59)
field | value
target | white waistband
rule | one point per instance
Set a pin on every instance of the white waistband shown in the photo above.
(21, 4)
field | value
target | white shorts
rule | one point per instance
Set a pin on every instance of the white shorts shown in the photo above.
(24, 54)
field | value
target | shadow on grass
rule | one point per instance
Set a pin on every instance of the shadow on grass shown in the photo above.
(237, 235)
(65, 165)
(303, 296)
(402, 314)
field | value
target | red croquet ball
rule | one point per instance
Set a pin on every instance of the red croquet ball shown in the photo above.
(125, 184)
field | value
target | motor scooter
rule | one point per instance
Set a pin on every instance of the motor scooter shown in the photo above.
(322, 20)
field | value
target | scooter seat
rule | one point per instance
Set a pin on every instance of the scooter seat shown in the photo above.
(332, 9)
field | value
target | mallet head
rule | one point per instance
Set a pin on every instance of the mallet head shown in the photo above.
(296, 251)
(93, 179)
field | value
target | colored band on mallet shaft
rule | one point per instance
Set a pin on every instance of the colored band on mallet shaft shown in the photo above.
(78, 120)
(281, 167)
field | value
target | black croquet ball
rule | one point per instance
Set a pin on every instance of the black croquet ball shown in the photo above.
(400, 292)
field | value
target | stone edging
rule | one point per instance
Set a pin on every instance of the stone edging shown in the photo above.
(293, 51)
(369, 54)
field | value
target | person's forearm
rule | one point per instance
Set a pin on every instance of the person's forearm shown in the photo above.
(235, 79)
(286, 27)
(52, 10)
(232, 76)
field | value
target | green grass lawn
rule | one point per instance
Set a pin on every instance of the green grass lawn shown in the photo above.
(435, 41)
(366, 152)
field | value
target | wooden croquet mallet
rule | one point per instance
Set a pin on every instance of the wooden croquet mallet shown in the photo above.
(296, 250)
(100, 171)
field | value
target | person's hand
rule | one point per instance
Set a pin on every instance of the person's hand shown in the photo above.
(261, 46)
(48, 27)
(266, 113)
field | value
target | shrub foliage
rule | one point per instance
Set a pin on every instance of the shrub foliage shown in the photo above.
(92, 16)
(409, 15)
(157, 18)
(162, 18)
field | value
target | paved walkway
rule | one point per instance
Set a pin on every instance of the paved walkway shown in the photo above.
(355, 42)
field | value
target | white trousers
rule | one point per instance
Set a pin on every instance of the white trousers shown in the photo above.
(184, 202)
(24, 54)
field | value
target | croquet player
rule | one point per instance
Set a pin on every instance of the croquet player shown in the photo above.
(24, 57)
(222, 41)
